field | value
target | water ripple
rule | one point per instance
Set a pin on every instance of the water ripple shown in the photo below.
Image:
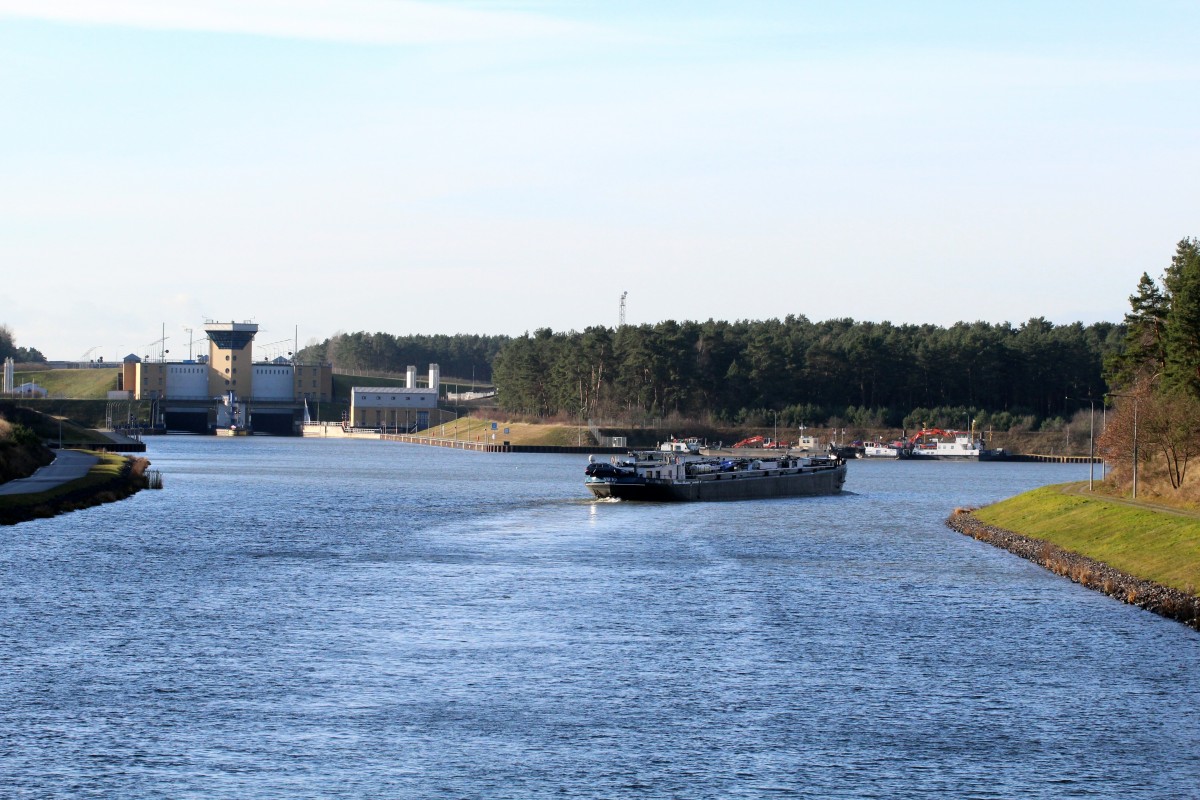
(354, 619)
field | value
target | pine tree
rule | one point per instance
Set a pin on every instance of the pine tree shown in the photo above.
(1144, 352)
(1182, 341)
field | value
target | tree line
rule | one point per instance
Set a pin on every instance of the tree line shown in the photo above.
(841, 371)
(1155, 375)
(21, 355)
(461, 355)
(795, 371)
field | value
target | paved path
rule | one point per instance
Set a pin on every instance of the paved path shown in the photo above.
(68, 465)
(1082, 490)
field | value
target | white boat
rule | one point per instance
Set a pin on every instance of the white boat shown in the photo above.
(880, 450)
(690, 446)
(959, 445)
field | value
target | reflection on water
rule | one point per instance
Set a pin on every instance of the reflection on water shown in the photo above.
(334, 618)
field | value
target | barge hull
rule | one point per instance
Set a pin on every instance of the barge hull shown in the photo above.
(724, 486)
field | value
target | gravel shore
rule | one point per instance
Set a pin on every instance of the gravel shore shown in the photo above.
(1162, 600)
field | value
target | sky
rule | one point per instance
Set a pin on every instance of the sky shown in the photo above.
(420, 167)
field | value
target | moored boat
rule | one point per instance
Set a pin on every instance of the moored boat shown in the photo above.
(666, 475)
(233, 431)
(957, 445)
(897, 449)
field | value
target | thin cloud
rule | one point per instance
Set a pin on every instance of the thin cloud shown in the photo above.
(365, 21)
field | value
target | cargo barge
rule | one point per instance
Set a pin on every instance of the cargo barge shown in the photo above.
(678, 472)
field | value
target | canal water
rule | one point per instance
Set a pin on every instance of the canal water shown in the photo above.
(330, 618)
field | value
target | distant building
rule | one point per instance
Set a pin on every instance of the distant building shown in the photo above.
(30, 390)
(401, 407)
(273, 391)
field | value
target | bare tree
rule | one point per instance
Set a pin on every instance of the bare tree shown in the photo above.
(1171, 421)
(1123, 435)
(1164, 421)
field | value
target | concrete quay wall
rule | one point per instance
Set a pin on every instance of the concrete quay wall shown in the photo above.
(486, 447)
(334, 430)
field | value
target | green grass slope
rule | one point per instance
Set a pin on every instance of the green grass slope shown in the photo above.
(113, 477)
(1157, 545)
(74, 384)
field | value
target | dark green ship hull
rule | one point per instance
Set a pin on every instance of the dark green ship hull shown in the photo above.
(748, 485)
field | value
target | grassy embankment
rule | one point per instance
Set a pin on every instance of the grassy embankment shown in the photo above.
(113, 477)
(1152, 543)
(74, 384)
(466, 428)
(479, 429)
(21, 451)
(78, 397)
(48, 419)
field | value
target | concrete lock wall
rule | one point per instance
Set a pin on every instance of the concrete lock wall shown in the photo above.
(187, 381)
(273, 382)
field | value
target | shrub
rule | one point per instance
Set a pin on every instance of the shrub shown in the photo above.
(25, 436)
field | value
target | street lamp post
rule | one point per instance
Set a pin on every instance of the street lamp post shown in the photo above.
(1135, 448)
(1091, 401)
(1133, 397)
(1091, 442)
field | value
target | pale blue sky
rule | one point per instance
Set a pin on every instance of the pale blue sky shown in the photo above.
(417, 167)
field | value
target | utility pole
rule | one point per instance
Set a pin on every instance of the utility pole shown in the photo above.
(1091, 401)
(1134, 398)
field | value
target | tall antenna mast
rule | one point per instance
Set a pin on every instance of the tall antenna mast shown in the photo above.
(623, 296)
